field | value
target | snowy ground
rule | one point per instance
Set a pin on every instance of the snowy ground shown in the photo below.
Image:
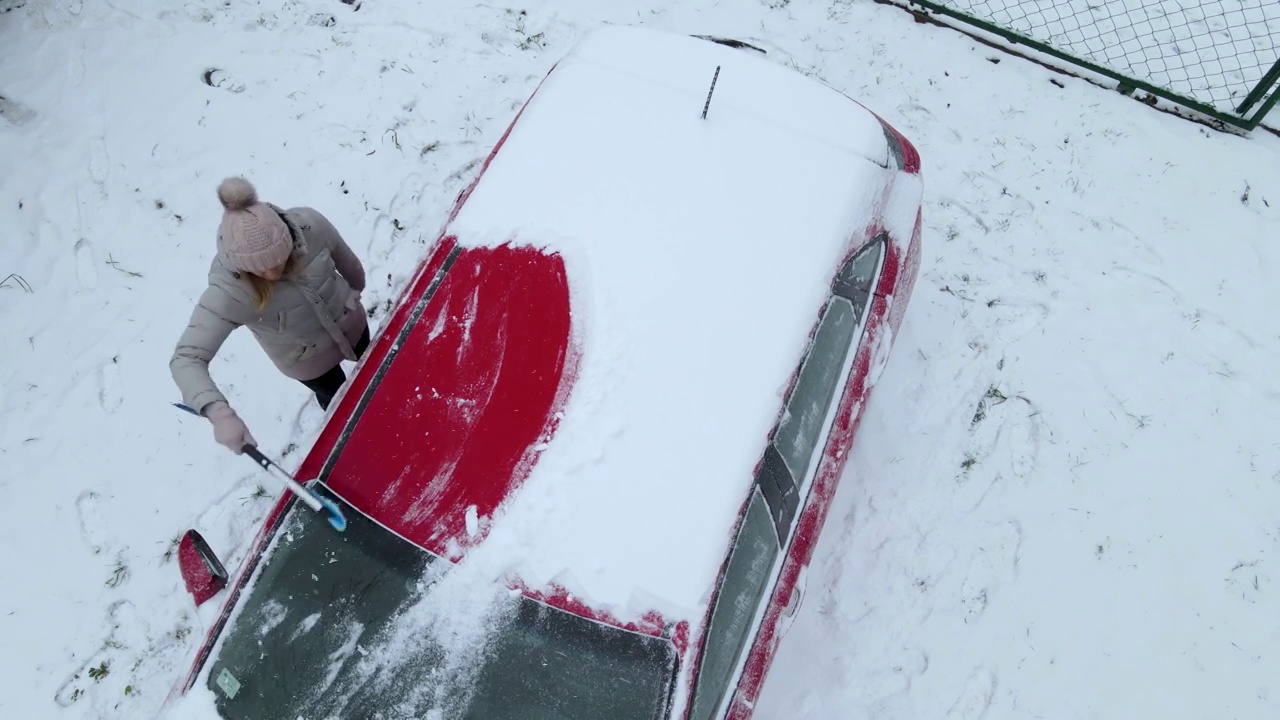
(1062, 500)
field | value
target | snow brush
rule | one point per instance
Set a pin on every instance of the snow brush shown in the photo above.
(315, 502)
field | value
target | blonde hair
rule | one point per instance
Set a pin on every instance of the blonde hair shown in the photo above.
(262, 287)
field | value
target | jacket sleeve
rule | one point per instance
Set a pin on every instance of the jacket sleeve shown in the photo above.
(344, 259)
(202, 339)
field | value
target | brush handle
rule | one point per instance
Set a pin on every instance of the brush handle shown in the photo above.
(311, 499)
(304, 494)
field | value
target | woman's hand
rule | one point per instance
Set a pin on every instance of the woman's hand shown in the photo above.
(228, 429)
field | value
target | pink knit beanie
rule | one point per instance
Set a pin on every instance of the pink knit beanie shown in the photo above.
(254, 238)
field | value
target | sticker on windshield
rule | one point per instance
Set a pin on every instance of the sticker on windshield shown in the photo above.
(228, 683)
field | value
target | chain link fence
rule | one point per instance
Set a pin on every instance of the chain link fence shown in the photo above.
(1221, 57)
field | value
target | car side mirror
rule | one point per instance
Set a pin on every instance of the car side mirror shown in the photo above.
(202, 572)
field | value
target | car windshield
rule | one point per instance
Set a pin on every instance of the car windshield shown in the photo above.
(319, 600)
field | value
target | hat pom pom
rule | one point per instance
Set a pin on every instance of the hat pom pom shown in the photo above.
(237, 193)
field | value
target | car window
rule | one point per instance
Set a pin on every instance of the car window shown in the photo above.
(854, 281)
(780, 491)
(316, 636)
(745, 578)
(806, 410)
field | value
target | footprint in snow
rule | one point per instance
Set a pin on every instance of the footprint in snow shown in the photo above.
(994, 563)
(400, 213)
(976, 697)
(57, 15)
(880, 685)
(408, 194)
(111, 394)
(106, 658)
(919, 116)
(1007, 437)
(75, 66)
(218, 78)
(86, 271)
(99, 160)
(93, 527)
(997, 196)
(14, 113)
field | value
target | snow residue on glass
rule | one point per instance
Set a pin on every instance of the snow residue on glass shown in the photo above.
(698, 254)
(304, 626)
(274, 613)
(446, 633)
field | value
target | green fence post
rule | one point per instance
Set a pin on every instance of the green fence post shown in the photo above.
(1266, 83)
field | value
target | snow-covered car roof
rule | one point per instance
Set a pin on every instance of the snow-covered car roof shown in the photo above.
(698, 253)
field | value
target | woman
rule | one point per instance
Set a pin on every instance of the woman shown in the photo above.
(289, 277)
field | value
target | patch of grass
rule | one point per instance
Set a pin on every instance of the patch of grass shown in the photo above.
(115, 264)
(968, 462)
(537, 40)
(17, 280)
(993, 396)
(259, 492)
(101, 671)
(980, 414)
(172, 549)
(119, 574)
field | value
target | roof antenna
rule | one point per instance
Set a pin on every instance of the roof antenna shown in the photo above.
(713, 89)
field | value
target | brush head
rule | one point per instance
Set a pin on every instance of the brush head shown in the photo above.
(335, 517)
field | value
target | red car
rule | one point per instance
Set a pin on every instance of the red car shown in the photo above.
(606, 418)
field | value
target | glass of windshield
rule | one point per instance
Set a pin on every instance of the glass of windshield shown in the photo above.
(321, 609)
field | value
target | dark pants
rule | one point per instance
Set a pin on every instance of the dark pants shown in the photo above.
(328, 384)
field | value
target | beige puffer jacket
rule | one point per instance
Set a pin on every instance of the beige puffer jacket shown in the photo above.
(308, 326)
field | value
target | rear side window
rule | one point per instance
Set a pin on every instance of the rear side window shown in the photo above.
(807, 408)
(775, 500)
(858, 274)
(750, 566)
